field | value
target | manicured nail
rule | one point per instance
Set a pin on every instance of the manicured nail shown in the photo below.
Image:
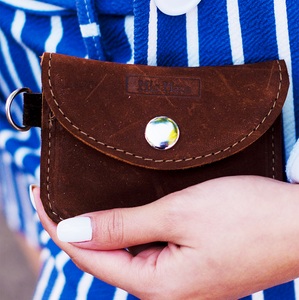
(76, 229)
(31, 187)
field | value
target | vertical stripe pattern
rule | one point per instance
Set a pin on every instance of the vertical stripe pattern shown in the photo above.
(152, 35)
(235, 33)
(284, 52)
(217, 32)
(258, 296)
(192, 38)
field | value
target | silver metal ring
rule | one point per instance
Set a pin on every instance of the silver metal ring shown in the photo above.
(8, 104)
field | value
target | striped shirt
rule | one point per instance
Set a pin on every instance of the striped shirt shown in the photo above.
(217, 32)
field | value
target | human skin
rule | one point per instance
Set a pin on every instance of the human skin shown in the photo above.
(227, 238)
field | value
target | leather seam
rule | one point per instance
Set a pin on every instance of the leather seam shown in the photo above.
(162, 160)
(50, 121)
(93, 37)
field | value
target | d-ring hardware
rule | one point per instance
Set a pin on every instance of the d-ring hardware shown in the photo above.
(8, 104)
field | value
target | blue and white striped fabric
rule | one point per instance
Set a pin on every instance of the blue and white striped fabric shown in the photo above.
(216, 32)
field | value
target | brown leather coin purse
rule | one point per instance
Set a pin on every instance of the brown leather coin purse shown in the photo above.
(97, 153)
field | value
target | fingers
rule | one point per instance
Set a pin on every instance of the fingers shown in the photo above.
(48, 224)
(116, 228)
(116, 267)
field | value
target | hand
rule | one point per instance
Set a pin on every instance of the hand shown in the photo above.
(227, 238)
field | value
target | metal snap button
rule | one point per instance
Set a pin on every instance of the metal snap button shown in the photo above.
(162, 133)
(176, 7)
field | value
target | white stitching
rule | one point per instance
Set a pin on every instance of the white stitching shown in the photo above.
(93, 37)
(169, 160)
(50, 117)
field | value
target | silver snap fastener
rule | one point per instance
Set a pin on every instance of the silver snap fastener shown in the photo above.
(162, 133)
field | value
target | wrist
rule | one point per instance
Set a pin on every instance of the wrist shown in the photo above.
(287, 232)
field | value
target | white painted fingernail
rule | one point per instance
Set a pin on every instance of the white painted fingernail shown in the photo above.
(31, 187)
(76, 229)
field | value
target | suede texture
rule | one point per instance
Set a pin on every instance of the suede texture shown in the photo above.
(95, 155)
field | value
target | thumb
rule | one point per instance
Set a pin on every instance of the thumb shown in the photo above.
(122, 227)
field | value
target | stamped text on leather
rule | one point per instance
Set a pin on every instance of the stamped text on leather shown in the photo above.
(170, 86)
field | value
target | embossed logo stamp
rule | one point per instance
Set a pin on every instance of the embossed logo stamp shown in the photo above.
(168, 86)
